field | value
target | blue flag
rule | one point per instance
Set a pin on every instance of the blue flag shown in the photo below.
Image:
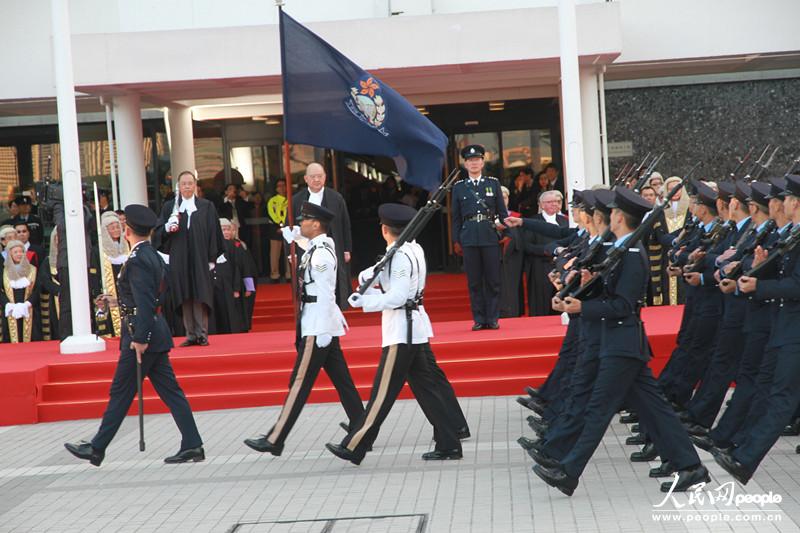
(331, 102)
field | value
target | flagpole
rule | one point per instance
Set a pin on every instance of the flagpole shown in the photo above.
(287, 174)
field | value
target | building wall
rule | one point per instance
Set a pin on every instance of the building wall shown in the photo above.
(711, 122)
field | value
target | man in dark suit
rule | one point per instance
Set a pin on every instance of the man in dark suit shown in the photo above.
(145, 339)
(539, 262)
(192, 238)
(477, 210)
(623, 374)
(339, 228)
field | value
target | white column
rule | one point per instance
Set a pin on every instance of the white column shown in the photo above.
(592, 148)
(82, 340)
(130, 151)
(181, 139)
(572, 130)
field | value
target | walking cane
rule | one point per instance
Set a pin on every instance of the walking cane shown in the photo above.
(141, 401)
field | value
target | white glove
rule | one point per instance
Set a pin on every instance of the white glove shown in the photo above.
(291, 233)
(324, 340)
(20, 310)
(221, 259)
(211, 266)
(365, 275)
(356, 300)
(172, 224)
(9, 309)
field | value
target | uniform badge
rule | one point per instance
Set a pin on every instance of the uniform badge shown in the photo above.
(367, 104)
(489, 191)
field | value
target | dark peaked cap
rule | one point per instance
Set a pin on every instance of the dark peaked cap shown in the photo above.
(588, 201)
(396, 215)
(316, 212)
(630, 202)
(603, 197)
(577, 198)
(473, 150)
(759, 191)
(776, 187)
(743, 191)
(706, 195)
(140, 218)
(726, 190)
(792, 186)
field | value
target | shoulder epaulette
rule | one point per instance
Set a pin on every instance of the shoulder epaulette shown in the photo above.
(491, 178)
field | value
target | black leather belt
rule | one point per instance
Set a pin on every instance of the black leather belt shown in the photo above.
(309, 299)
(478, 218)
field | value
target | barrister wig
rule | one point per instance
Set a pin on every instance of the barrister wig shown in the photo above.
(112, 248)
(19, 270)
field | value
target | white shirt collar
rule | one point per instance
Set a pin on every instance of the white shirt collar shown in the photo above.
(316, 197)
(552, 219)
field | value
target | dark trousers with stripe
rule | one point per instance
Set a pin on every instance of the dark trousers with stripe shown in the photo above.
(310, 360)
(445, 390)
(400, 363)
(157, 367)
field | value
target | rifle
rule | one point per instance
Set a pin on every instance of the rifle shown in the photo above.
(620, 174)
(614, 257)
(737, 271)
(589, 259)
(637, 171)
(646, 175)
(717, 234)
(783, 247)
(740, 163)
(687, 230)
(413, 228)
(755, 164)
(791, 168)
(766, 165)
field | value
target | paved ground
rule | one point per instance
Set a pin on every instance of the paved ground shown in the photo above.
(43, 488)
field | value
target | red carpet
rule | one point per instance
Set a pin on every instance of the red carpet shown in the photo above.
(37, 384)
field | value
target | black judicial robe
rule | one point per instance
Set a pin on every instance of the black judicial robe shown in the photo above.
(28, 294)
(190, 251)
(339, 231)
(247, 269)
(538, 264)
(47, 280)
(227, 313)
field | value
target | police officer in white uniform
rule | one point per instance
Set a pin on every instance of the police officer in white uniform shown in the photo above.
(406, 329)
(321, 325)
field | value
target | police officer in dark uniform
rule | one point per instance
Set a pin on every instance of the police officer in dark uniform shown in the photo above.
(622, 373)
(782, 290)
(477, 210)
(145, 337)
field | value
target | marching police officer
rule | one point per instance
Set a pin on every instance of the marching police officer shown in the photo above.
(477, 210)
(406, 329)
(321, 325)
(623, 374)
(146, 338)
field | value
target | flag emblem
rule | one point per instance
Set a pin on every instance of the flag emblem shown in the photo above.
(367, 104)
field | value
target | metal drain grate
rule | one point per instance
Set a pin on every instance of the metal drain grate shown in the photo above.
(401, 523)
